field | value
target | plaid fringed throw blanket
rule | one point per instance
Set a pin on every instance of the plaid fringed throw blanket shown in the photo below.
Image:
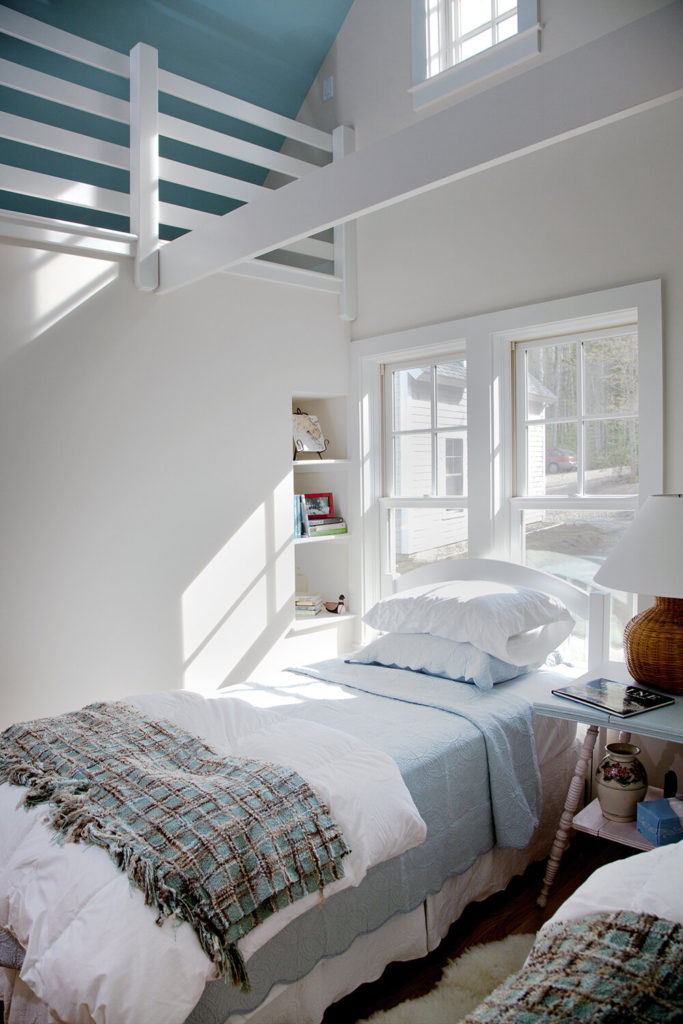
(219, 842)
(607, 968)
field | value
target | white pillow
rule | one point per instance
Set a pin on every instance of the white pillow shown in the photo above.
(517, 625)
(422, 652)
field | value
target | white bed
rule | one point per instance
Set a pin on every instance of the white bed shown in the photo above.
(382, 917)
(613, 951)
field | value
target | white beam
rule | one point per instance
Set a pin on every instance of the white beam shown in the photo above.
(345, 263)
(613, 77)
(282, 274)
(144, 164)
(62, 236)
(205, 96)
(59, 140)
(41, 34)
(58, 90)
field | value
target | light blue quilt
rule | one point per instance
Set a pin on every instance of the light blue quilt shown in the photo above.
(503, 719)
(466, 755)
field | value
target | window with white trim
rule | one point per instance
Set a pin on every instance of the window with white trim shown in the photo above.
(425, 461)
(458, 29)
(576, 426)
(458, 42)
(558, 436)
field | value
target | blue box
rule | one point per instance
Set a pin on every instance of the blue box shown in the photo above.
(658, 823)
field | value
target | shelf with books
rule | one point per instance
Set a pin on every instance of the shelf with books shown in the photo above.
(318, 621)
(321, 487)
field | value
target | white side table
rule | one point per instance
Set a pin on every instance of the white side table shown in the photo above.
(664, 724)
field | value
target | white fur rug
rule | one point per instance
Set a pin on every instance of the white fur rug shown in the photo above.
(465, 982)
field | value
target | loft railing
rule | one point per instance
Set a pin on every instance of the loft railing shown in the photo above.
(113, 156)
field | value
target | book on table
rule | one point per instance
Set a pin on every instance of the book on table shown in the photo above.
(325, 528)
(307, 605)
(622, 699)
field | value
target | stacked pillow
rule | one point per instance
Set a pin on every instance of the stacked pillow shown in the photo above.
(469, 630)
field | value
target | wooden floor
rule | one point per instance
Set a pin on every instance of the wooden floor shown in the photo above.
(511, 912)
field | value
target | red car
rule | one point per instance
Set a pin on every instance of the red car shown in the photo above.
(559, 460)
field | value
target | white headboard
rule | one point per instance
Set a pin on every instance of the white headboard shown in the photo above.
(594, 607)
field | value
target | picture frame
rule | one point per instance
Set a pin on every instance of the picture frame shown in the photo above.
(319, 506)
(307, 434)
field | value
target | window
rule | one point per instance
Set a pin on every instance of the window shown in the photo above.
(458, 29)
(529, 434)
(425, 461)
(455, 466)
(577, 452)
(458, 42)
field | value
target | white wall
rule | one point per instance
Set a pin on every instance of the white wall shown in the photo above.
(591, 213)
(145, 460)
(370, 61)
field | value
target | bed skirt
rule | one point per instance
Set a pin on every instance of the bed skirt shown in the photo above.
(403, 937)
(415, 934)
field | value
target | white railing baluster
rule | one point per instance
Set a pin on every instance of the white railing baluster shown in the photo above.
(144, 164)
(104, 146)
(343, 143)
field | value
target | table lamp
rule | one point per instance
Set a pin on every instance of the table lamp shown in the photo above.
(649, 560)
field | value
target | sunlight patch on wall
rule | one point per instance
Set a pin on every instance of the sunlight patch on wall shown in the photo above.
(228, 645)
(60, 283)
(284, 578)
(244, 596)
(212, 595)
(283, 515)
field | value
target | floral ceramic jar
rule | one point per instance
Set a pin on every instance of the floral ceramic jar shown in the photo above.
(621, 781)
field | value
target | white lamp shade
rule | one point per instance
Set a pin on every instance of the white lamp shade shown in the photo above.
(649, 557)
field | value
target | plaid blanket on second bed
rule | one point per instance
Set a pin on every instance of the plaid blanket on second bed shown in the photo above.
(220, 842)
(605, 968)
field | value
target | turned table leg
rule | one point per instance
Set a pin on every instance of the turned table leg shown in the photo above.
(574, 794)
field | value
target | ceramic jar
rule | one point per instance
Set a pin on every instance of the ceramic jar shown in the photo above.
(621, 781)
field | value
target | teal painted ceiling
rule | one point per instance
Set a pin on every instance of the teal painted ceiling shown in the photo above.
(264, 51)
(267, 52)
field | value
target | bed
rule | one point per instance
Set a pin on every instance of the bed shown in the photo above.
(444, 790)
(612, 951)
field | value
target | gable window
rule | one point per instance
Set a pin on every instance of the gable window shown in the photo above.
(425, 462)
(458, 29)
(458, 42)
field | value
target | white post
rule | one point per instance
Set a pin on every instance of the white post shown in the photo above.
(144, 164)
(343, 143)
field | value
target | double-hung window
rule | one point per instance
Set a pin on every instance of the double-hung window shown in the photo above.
(577, 462)
(533, 437)
(425, 461)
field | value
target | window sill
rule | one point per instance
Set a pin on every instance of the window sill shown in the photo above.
(520, 47)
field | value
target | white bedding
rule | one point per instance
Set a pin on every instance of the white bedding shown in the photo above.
(646, 883)
(85, 956)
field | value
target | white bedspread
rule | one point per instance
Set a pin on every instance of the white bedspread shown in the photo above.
(646, 883)
(93, 950)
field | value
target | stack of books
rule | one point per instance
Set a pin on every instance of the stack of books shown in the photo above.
(326, 527)
(307, 605)
(300, 516)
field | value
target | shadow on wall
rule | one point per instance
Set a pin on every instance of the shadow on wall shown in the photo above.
(241, 602)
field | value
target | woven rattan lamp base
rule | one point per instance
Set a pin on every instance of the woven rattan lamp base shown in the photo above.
(653, 645)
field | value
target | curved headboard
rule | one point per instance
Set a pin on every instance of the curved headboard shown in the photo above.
(593, 606)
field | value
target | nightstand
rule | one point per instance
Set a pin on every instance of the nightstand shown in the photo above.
(664, 723)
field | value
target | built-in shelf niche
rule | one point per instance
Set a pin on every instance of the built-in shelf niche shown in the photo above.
(331, 413)
(323, 561)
